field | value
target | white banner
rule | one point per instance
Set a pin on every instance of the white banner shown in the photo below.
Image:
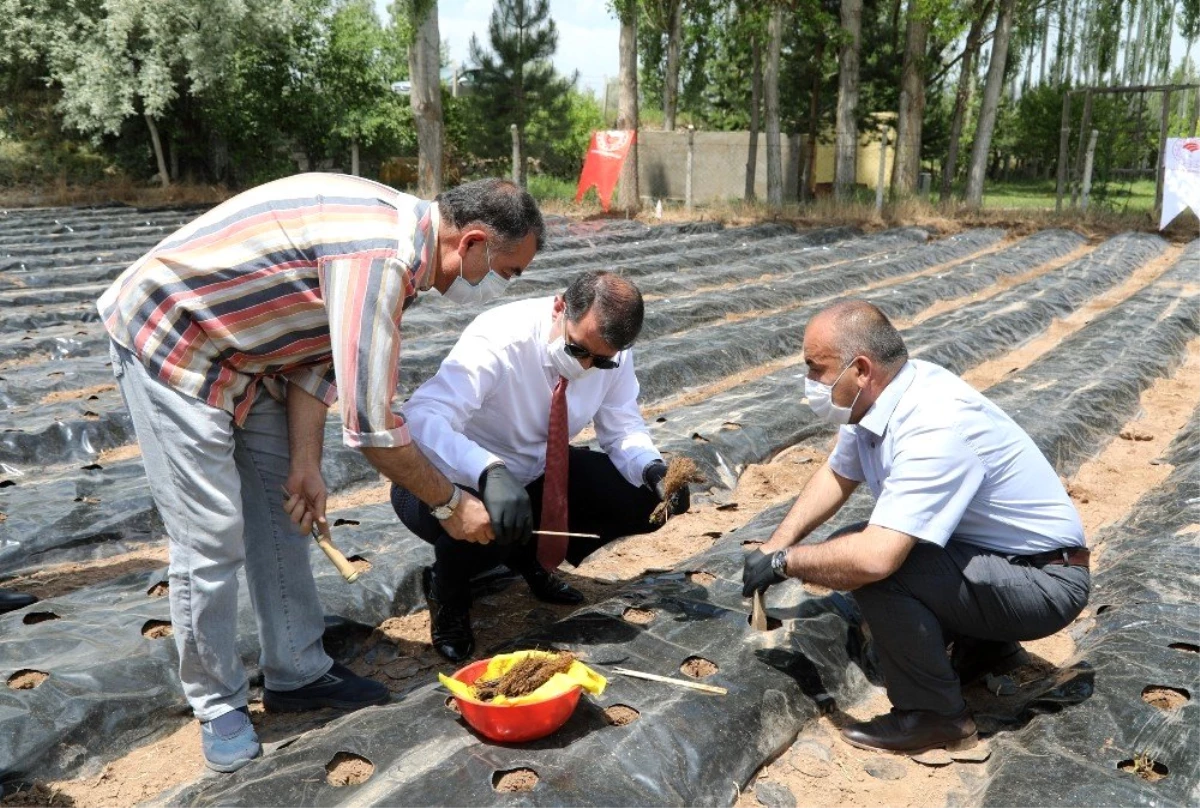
(1181, 178)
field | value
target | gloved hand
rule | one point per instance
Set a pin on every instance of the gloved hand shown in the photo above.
(757, 573)
(507, 504)
(655, 475)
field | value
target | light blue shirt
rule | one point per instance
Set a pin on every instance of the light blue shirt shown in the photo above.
(945, 462)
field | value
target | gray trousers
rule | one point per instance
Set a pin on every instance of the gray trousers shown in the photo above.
(961, 591)
(219, 491)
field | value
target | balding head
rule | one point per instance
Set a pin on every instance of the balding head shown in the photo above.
(853, 328)
(852, 347)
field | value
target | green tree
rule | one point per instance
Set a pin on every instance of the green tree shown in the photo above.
(117, 59)
(354, 72)
(515, 78)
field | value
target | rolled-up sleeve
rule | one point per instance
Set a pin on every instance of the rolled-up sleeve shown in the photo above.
(440, 409)
(364, 298)
(620, 429)
(935, 474)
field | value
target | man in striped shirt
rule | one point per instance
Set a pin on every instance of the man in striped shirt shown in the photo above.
(230, 340)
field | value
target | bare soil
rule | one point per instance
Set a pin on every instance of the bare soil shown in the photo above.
(698, 667)
(347, 769)
(63, 579)
(516, 780)
(619, 715)
(1165, 698)
(27, 679)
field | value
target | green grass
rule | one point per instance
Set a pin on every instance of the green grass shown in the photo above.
(1117, 197)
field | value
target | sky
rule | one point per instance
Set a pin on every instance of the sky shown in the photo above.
(588, 35)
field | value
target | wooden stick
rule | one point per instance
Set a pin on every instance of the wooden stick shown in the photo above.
(571, 535)
(758, 615)
(324, 540)
(653, 677)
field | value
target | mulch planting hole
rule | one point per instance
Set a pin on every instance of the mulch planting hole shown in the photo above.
(452, 705)
(1186, 647)
(620, 714)
(27, 679)
(157, 629)
(772, 622)
(348, 769)
(698, 667)
(701, 578)
(1165, 698)
(1144, 767)
(34, 618)
(638, 617)
(359, 563)
(159, 590)
(513, 780)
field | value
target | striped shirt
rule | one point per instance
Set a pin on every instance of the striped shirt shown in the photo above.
(302, 280)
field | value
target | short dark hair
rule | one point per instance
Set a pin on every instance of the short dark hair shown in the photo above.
(862, 329)
(618, 304)
(499, 205)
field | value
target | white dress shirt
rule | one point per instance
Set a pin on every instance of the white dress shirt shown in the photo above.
(943, 461)
(490, 401)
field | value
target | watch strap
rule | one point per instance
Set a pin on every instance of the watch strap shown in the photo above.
(446, 509)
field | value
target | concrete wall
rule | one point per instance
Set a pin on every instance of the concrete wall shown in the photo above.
(719, 171)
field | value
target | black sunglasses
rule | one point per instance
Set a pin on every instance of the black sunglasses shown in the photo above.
(579, 352)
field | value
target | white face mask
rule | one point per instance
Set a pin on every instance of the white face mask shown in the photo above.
(820, 399)
(489, 288)
(564, 364)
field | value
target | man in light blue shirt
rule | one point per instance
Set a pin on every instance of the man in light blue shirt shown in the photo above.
(973, 542)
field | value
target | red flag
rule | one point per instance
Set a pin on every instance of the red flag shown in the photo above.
(602, 166)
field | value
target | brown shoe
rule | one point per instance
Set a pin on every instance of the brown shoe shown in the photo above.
(911, 732)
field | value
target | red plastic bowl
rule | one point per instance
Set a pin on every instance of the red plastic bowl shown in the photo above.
(513, 723)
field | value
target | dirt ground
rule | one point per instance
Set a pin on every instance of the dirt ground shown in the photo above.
(817, 769)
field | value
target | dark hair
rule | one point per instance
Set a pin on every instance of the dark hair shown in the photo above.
(498, 205)
(618, 304)
(864, 330)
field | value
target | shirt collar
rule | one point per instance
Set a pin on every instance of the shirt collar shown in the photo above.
(425, 241)
(877, 417)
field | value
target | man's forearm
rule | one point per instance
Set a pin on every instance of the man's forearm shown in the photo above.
(306, 416)
(821, 497)
(410, 469)
(851, 560)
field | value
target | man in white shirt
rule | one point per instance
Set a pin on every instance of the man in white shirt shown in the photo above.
(487, 421)
(973, 542)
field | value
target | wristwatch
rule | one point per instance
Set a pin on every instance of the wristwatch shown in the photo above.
(446, 510)
(779, 564)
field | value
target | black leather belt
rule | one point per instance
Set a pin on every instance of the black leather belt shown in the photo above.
(1065, 556)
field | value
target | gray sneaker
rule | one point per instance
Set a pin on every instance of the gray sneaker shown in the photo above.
(229, 741)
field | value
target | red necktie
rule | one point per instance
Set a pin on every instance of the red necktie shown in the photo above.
(553, 549)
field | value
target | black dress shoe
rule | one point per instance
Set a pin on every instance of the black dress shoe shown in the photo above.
(912, 732)
(10, 600)
(974, 659)
(449, 619)
(549, 588)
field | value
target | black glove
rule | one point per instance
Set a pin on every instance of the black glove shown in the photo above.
(507, 504)
(757, 573)
(655, 476)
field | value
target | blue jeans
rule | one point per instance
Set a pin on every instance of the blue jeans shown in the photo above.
(219, 491)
